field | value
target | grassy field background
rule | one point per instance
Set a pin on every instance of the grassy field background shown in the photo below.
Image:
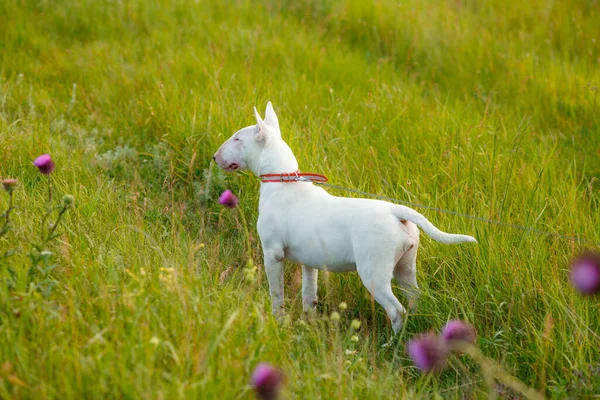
(484, 108)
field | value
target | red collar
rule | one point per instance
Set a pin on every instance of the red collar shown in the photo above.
(295, 176)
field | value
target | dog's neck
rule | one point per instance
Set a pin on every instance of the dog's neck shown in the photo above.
(276, 157)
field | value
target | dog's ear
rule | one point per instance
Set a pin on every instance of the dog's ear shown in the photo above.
(263, 128)
(271, 117)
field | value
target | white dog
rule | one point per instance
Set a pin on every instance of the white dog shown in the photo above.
(304, 224)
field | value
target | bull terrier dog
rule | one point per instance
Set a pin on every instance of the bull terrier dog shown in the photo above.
(300, 222)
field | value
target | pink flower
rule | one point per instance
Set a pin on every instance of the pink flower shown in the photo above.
(266, 381)
(44, 164)
(585, 273)
(428, 352)
(228, 199)
(458, 330)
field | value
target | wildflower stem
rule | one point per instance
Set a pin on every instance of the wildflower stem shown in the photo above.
(245, 224)
(492, 369)
(5, 227)
(49, 189)
(488, 378)
(55, 225)
(48, 206)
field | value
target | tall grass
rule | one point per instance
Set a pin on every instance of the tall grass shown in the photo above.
(485, 108)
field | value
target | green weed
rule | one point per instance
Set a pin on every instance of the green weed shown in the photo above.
(484, 108)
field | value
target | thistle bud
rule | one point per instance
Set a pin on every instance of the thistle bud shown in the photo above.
(44, 164)
(266, 381)
(458, 330)
(428, 352)
(228, 199)
(68, 200)
(585, 273)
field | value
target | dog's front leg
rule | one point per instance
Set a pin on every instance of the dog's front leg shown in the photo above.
(309, 288)
(274, 269)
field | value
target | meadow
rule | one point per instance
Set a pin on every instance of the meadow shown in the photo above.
(483, 108)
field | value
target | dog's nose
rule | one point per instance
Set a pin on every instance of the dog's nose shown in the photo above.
(214, 158)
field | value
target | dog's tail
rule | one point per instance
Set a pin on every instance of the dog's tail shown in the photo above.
(408, 214)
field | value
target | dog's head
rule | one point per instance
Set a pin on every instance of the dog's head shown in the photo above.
(244, 148)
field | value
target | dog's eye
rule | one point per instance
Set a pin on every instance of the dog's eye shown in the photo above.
(236, 139)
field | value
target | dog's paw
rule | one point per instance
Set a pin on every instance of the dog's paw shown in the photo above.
(398, 324)
(309, 305)
(310, 314)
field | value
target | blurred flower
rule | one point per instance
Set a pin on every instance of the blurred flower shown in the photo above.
(228, 199)
(458, 330)
(68, 200)
(250, 271)
(355, 324)
(155, 341)
(585, 273)
(335, 316)
(343, 305)
(9, 184)
(354, 338)
(428, 352)
(266, 381)
(44, 164)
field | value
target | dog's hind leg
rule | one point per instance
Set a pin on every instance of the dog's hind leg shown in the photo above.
(377, 280)
(405, 273)
(309, 288)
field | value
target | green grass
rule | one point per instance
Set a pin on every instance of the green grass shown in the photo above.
(481, 108)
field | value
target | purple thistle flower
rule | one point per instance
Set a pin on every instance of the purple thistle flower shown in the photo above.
(228, 199)
(428, 351)
(9, 184)
(585, 273)
(44, 164)
(458, 330)
(266, 381)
